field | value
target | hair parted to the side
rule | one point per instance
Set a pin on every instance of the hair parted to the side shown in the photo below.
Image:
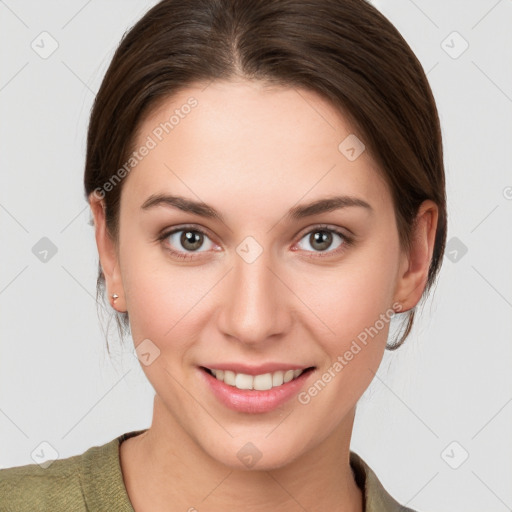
(344, 50)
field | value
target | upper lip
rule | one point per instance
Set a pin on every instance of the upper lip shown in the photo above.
(255, 370)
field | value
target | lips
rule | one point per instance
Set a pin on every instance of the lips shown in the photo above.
(253, 400)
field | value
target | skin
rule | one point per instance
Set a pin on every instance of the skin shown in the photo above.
(253, 152)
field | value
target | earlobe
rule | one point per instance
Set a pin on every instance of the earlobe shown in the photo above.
(414, 268)
(108, 255)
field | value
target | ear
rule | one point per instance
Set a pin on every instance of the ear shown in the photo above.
(413, 272)
(108, 254)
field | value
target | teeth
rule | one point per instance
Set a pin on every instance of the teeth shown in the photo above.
(277, 379)
(229, 377)
(243, 381)
(257, 382)
(288, 376)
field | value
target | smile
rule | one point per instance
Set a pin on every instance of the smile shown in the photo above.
(261, 382)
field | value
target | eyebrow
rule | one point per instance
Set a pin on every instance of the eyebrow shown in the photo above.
(296, 213)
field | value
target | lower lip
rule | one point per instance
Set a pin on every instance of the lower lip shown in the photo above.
(251, 400)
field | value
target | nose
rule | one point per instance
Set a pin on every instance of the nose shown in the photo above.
(255, 302)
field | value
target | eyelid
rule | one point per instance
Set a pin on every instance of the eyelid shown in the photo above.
(327, 227)
(166, 233)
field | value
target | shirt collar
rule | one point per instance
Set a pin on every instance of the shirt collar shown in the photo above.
(375, 496)
(102, 480)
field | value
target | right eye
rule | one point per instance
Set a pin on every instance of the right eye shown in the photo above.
(182, 242)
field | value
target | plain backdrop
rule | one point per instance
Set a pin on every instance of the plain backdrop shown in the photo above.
(435, 424)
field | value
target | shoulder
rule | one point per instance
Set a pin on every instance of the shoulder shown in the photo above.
(376, 498)
(89, 481)
(33, 487)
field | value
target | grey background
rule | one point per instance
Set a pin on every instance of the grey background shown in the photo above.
(446, 394)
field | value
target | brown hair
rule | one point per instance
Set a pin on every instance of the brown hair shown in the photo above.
(344, 50)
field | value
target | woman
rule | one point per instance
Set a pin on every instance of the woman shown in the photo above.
(267, 186)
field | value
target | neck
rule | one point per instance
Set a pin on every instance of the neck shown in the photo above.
(165, 470)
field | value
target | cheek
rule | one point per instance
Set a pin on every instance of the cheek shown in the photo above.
(353, 302)
(355, 306)
(154, 294)
(166, 302)
(352, 296)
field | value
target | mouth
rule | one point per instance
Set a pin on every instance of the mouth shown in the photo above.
(261, 382)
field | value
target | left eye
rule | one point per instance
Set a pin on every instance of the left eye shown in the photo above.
(320, 239)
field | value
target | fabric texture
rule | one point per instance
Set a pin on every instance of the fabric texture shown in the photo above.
(93, 482)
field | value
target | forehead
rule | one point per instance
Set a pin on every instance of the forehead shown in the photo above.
(247, 140)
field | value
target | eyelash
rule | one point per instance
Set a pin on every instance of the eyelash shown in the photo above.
(347, 241)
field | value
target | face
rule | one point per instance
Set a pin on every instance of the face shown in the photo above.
(262, 284)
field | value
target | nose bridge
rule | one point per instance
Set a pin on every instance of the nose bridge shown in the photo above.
(255, 305)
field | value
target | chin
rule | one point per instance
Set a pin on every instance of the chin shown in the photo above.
(256, 455)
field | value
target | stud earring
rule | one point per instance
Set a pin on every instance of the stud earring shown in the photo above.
(115, 296)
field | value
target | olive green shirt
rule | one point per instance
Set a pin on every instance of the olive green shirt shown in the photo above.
(93, 481)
